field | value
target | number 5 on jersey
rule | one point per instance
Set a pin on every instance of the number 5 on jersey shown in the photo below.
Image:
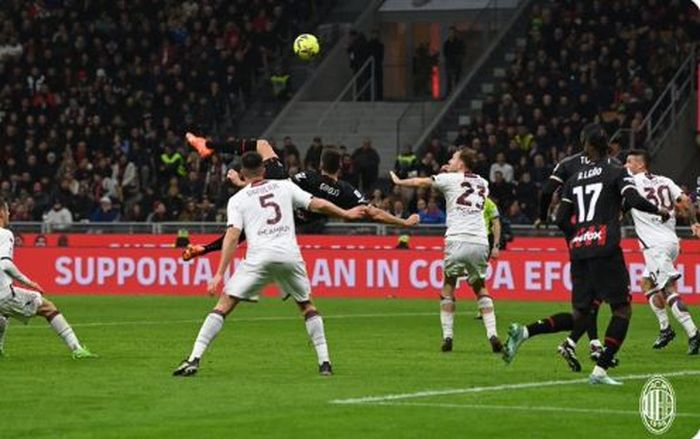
(266, 202)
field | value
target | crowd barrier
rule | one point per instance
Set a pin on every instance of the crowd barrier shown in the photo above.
(338, 266)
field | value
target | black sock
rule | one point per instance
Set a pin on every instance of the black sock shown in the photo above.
(593, 322)
(614, 337)
(556, 323)
(582, 320)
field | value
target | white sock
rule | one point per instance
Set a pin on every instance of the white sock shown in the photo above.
(570, 342)
(599, 371)
(317, 334)
(488, 317)
(447, 318)
(207, 333)
(63, 329)
(4, 321)
(661, 314)
(526, 333)
(680, 312)
(595, 343)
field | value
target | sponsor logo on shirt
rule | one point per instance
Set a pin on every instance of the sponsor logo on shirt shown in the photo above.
(590, 236)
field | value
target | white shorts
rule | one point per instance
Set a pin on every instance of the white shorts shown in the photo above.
(466, 259)
(659, 265)
(19, 303)
(251, 277)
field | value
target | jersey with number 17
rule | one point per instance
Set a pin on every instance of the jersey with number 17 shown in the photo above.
(596, 194)
(465, 195)
(265, 211)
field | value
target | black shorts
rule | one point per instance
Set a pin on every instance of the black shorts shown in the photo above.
(605, 278)
(275, 170)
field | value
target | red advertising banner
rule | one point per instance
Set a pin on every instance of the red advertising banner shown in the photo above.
(533, 269)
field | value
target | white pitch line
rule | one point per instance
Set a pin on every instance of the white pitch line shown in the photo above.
(524, 408)
(242, 319)
(529, 385)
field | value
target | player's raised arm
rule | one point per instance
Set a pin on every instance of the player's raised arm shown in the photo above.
(411, 182)
(382, 216)
(326, 207)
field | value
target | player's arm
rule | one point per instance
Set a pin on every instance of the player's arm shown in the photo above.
(496, 229)
(684, 203)
(9, 267)
(228, 249)
(550, 187)
(635, 201)
(411, 182)
(325, 207)
(382, 216)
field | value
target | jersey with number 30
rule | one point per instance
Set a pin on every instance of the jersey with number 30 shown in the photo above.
(265, 211)
(465, 195)
(663, 193)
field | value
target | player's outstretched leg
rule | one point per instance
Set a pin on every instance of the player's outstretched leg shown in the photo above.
(614, 337)
(4, 321)
(517, 334)
(317, 334)
(207, 333)
(682, 314)
(63, 329)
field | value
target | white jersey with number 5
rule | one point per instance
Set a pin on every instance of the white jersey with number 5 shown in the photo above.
(265, 211)
(662, 192)
(465, 195)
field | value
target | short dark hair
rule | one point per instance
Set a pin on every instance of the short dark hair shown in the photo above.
(330, 160)
(468, 157)
(594, 134)
(251, 161)
(643, 153)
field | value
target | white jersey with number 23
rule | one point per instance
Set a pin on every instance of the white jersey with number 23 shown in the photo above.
(465, 195)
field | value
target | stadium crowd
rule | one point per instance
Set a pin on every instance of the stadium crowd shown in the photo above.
(96, 97)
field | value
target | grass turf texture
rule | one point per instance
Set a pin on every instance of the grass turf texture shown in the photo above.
(260, 378)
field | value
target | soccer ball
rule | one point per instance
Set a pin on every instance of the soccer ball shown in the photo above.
(306, 46)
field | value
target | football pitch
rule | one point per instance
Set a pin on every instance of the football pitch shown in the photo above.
(260, 377)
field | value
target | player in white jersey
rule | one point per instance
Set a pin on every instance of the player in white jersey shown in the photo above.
(264, 209)
(22, 303)
(466, 241)
(660, 246)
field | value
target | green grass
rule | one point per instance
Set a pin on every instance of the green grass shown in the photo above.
(260, 377)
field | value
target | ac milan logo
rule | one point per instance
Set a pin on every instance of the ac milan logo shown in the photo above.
(657, 405)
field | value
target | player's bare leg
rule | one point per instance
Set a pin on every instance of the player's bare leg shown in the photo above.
(447, 312)
(488, 314)
(657, 303)
(317, 334)
(59, 324)
(681, 313)
(207, 333)
(4, 321)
